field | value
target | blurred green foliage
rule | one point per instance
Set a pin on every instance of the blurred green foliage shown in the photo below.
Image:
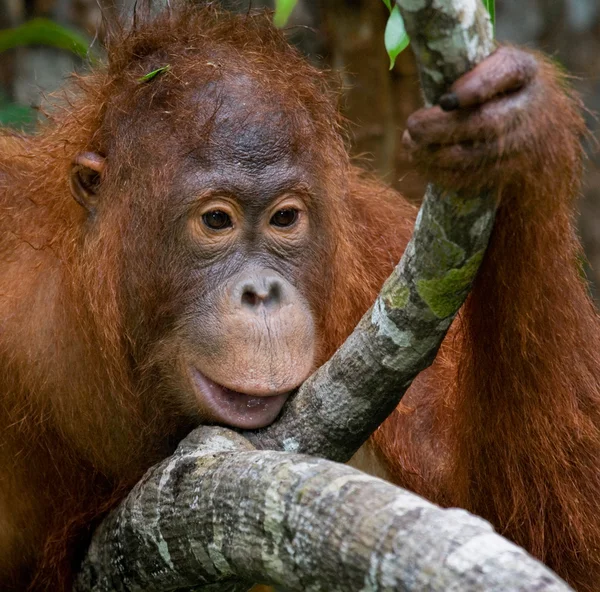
(42, 31)
(38, 31)
(15, 115)
(491, 7)
(283, 9)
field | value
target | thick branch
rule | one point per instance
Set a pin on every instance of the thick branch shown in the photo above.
(218, 511)
(338, 408)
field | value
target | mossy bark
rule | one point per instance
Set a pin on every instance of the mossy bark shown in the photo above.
(219, 515)
(340, 406)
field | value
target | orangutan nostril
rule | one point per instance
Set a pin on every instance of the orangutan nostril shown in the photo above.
(265, 291)
(250, 298)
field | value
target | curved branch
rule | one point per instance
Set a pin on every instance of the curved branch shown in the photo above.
(220, 515)
(342, 404)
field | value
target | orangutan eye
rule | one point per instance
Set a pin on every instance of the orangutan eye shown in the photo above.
(217, 220)
(284, 218)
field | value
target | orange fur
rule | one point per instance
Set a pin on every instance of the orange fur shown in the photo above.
(80, 422)
(505, 423)
(514, 435)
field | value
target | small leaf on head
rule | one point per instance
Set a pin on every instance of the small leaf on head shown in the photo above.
(154, 73)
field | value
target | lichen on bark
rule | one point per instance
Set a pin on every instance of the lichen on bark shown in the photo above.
(338, 407)
(219, 515)
(448, 37)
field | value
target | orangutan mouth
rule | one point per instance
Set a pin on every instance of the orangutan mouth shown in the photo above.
(232, 408)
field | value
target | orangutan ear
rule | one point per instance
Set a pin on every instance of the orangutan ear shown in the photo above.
(86, 173)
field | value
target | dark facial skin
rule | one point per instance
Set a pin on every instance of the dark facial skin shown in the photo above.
(249, 241)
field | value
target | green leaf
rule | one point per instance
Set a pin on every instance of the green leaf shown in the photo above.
(283, 9)
(491, 8)
(154, 73)
(396, 37)
(388, 4)
(42, 31)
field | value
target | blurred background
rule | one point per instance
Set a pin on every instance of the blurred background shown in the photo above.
(42, 41)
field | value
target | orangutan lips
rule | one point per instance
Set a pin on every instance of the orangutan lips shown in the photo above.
(236, 409)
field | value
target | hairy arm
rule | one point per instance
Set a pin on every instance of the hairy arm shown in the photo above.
(507, 423)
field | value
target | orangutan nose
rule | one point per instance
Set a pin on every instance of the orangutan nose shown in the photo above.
(262, 289)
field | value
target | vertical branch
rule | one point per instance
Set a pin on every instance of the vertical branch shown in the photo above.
(449, 38)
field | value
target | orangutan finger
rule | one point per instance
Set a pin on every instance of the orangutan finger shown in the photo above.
(506, 70)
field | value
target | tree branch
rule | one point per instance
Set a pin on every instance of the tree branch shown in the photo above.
(342, 404)
(220, 515)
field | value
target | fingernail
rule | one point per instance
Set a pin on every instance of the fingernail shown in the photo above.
(449, 102)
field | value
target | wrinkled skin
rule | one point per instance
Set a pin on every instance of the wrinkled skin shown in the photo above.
(249, 240)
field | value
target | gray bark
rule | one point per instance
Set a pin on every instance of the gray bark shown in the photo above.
(340, 406)
(448, 37)
(218, 515)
